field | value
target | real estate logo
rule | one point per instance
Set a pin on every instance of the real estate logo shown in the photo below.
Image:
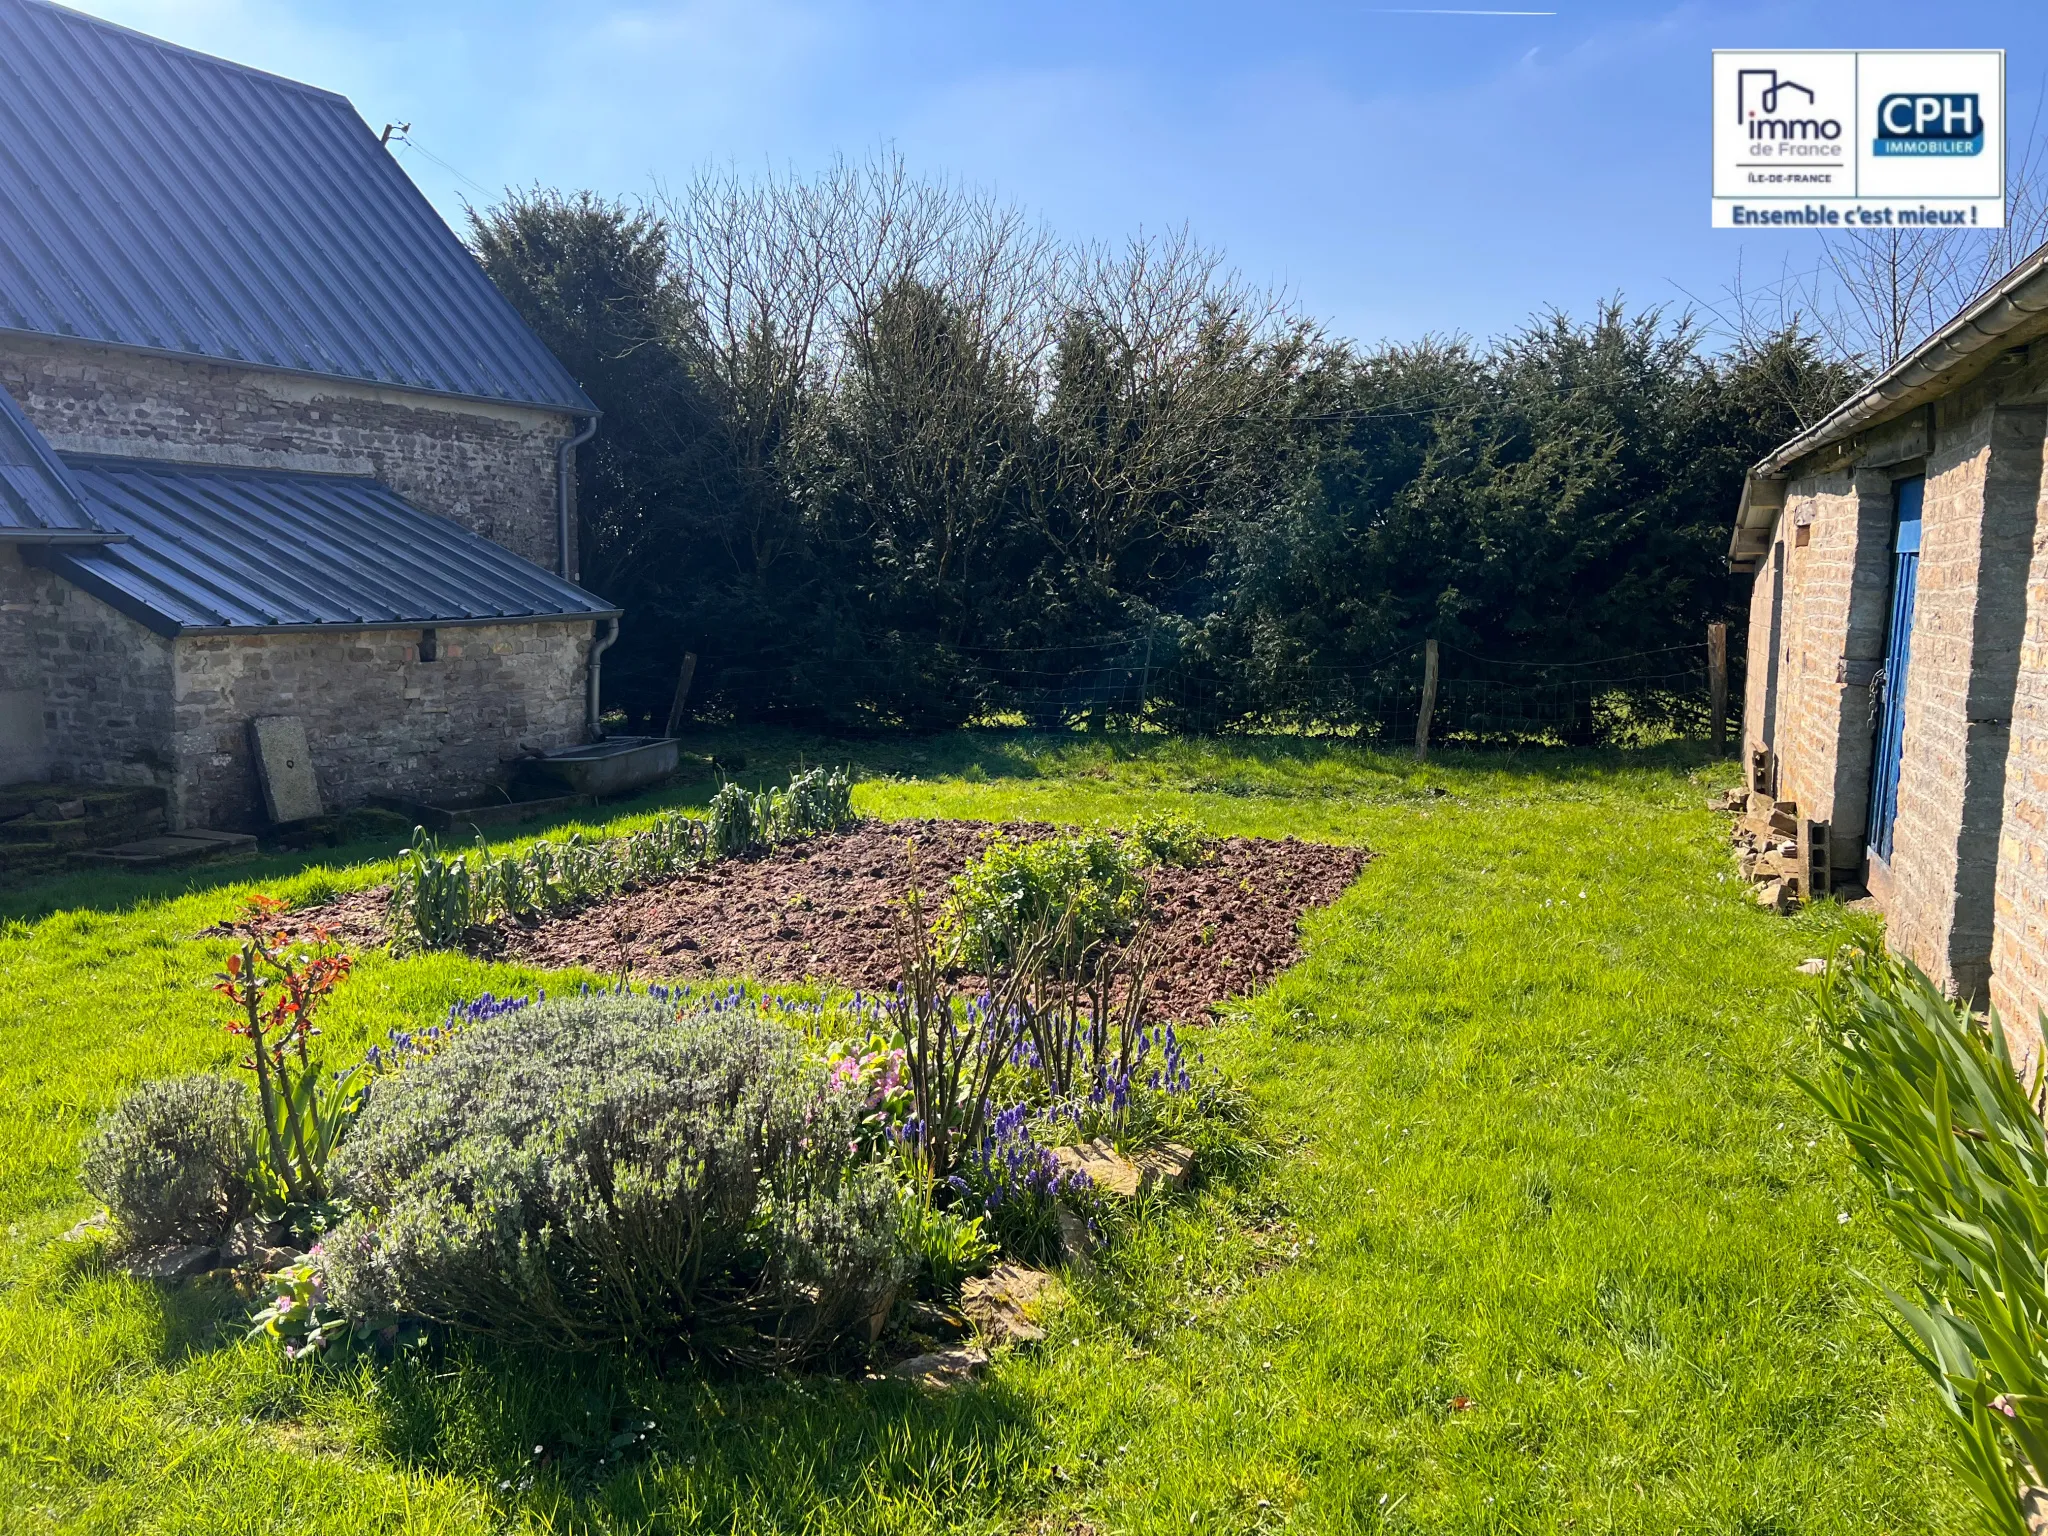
(1812, 138)
(1929, 125)
(1758, 95)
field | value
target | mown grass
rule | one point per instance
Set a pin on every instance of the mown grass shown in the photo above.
(1554, 1246)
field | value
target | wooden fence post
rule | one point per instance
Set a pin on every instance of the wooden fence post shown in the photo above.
(1717, 683)
(1428, 701)
(684, 678)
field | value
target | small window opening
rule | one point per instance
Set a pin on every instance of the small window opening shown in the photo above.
(1803, 538)
(430, 645)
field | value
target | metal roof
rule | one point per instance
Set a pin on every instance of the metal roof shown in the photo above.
(39, 500)
(2008, 312)
(239, 550)
(157, 198)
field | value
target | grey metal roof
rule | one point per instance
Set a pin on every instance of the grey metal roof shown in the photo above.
(39, 500)
(158, 198)
(238, 550)
(2009, 311)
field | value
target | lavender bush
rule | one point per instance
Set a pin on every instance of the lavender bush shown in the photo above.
(172, 1161)
(610, 1169)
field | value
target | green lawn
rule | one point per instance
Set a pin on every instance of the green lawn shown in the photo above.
(1542, 1160)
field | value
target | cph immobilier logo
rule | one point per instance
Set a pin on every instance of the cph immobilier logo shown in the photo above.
(1842, 139)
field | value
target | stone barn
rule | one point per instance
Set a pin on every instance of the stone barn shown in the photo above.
(1897, 709)
(271, 444)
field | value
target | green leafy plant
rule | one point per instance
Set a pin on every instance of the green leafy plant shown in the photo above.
(739, 822)
(946, 1245)
(1952, 1143)
(299, 1315)
(816, 802)
(1079, 893)
(1163, 838)
(172, 1160)
(604, 1170)
(434, 896)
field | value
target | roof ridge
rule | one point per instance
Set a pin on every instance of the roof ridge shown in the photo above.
(135, 34)
(169, 201)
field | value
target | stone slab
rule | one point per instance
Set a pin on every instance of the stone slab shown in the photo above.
(1001, 1303)
(1168, 1166)
(1106, 1168)
(194, 846)
(943, 1368)
(284, 767)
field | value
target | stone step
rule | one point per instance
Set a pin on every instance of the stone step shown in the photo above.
(195, 845)
(66, 817)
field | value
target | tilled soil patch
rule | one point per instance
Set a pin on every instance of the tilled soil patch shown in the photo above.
(824, 909)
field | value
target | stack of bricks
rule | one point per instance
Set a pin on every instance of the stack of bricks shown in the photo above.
(1769, 850)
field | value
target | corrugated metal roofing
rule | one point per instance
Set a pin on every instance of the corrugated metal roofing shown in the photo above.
(38, 498)
(235, 549)
(159, 198)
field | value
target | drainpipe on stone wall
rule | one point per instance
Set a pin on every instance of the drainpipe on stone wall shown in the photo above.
(597, 649)
(562, 495)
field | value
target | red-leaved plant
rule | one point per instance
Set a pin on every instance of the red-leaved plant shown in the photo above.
(277, 982)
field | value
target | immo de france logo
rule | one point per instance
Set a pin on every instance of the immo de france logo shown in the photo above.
(1840, 138)
(1768, 105)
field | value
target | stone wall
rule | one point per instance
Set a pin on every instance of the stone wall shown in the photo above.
(85, 692)
(378, 718)
(489, 467)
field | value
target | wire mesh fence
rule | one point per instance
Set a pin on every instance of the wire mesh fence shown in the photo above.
(1130, 682)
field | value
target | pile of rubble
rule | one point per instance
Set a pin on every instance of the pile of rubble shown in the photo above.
(1783, 855)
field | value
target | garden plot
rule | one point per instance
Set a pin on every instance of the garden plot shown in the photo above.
(824, 908)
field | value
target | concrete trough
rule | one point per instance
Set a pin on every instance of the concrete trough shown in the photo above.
(617, 765)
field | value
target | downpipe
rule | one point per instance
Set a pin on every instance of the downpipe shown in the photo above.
(562, 453)
(597, 649)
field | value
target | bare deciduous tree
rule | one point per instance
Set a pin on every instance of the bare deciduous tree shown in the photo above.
(1871, 296)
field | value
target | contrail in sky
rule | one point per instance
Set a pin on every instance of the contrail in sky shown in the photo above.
(1405, 10)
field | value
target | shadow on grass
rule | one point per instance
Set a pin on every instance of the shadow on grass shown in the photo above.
(575, 1437)
(759, 756)
(113, 891)
(768, 753)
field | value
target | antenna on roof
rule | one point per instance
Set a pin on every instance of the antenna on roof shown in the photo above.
(391, 130)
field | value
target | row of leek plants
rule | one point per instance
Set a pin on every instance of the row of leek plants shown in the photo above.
(439, 893)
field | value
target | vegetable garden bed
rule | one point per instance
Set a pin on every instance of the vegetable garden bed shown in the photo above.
(822, 908)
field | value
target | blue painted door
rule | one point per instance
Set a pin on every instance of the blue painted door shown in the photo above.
(1888, 688)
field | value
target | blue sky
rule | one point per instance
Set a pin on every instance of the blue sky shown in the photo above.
(1396, 173)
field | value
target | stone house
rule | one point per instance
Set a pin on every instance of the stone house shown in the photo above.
(270, 444)
(1897, 709)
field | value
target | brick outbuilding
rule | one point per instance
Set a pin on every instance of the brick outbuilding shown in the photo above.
(271, 443)
(1898, 646)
